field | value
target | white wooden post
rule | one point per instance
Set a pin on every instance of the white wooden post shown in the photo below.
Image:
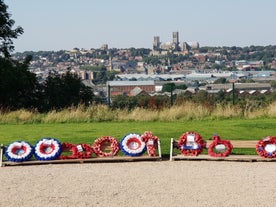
(1, 155)
(159, 149)
(171, 149)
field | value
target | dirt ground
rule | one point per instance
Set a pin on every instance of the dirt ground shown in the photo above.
(159, 183)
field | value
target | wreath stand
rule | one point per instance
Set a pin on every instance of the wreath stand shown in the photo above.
(144, 157)
(176, 156)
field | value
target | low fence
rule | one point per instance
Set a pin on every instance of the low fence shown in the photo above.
(190, 145)
(49, 151)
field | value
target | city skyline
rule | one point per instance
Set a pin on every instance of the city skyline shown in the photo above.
(65, 24)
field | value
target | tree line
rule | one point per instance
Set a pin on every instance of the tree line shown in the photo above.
(19, 88)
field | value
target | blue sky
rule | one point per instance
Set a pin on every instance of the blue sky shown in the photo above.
(65, 24)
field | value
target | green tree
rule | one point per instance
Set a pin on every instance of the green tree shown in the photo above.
(220, 96)
(182, 86)
(247, 81)
(139, 51)
(18, 86)
(143, 100)
(65, 91)
(110, 75)
(153, 60)
(220, 81)
(103, 75)
(204, 98)
(203, 50)
(168, 87)
(7, 33)
(124, 102)
(273, 83)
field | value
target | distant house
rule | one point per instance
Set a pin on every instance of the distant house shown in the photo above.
(130, 88)
(155, 77)
(240, 88)
(188, 91)
(137, 91)
(245, 64)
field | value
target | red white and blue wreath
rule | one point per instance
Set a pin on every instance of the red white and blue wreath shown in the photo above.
(266, 147)
(18, 151)
(132, 145)
(47, 149)
(191, 143)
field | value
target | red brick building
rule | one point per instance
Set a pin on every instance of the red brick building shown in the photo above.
(125, 87)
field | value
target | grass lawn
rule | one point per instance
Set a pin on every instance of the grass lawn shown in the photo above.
(252, 129)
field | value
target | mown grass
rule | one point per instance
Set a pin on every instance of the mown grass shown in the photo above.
(233, 129)
(85, 124)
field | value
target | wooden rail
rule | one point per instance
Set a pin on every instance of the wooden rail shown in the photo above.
(235, 143)
(90, 160)
(239, 143)
(81, 161)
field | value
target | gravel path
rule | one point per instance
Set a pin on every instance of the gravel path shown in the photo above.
(179, 183)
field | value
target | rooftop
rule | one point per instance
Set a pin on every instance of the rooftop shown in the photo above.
(130, 83)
